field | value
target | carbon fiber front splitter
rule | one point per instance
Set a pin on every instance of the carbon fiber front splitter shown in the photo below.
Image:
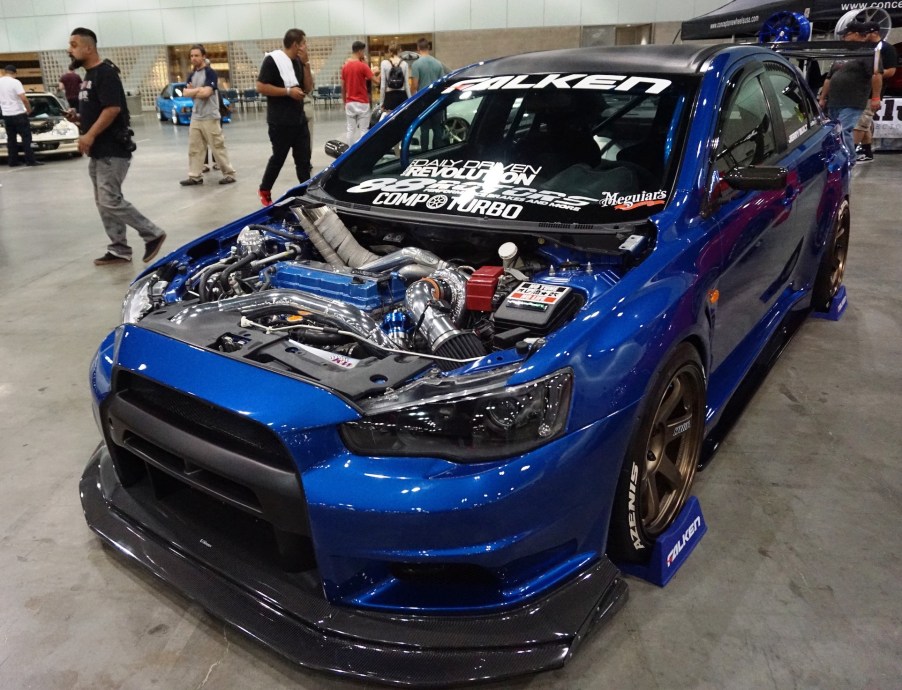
(298, 623)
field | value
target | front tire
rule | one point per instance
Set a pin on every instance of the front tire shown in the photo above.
(662, 458)
(833, 263)
(175, 116)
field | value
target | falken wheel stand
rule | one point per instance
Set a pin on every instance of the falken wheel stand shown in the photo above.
(673, 547)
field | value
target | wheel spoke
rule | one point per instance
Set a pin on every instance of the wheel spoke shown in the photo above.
(668, 470)
(671, 399)
(652, 499)
(677, 427)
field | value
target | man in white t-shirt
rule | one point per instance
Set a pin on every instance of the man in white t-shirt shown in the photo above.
(16, 109)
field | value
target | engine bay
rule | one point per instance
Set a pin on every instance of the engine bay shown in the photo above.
(362, 306)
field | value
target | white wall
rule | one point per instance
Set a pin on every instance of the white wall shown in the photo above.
(32, 25)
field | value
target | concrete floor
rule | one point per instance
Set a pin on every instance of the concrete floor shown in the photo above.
(795, 584)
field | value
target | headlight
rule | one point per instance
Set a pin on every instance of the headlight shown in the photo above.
(137, 300)
(467, 419)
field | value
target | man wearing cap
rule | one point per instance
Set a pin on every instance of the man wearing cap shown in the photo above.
(864, 130)
(852, 86)
(16, 109)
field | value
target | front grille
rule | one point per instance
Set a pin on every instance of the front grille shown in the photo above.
(170, 445)
(216, 425)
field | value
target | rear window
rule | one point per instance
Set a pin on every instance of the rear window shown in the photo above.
(563, 148)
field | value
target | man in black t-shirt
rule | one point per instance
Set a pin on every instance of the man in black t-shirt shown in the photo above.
(103, 120)
(285, 80)
(850, 82)
(864, 130)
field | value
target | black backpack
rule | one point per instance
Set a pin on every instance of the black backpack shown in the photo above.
(395, 78)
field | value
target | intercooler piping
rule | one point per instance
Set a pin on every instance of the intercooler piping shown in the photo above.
(331, 237)
(340, 249)
(345, 316)
(425, 299)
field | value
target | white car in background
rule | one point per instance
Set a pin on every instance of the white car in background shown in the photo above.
(51, 133)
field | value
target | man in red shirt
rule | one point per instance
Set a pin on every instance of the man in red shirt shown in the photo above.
(354, 77)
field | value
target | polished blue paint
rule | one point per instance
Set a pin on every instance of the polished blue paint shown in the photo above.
(536, 520)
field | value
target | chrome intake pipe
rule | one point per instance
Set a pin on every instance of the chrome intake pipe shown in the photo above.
(345, 316)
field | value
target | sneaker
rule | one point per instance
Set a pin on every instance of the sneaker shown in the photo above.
(191, 181)
(152, 248)
(206, 168)
(265, 197)
(108, 259)
(228, 179)
(864, 157)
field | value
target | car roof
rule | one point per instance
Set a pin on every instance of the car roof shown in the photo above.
(669, 59)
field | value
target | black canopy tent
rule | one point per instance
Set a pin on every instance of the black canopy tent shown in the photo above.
(744, 18)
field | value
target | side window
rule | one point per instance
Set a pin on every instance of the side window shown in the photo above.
(746, 132)
(795, 110)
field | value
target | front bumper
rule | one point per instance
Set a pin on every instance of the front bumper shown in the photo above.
(289, 613)
(46, 146)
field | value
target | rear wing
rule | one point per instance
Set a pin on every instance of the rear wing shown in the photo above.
(825, 50)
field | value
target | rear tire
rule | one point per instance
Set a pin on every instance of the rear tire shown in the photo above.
(833, 263)
(662, 457)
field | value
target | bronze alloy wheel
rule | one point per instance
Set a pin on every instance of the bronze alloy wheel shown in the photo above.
(839, 254)
(672, 452)
(833, 263)
(662, 457)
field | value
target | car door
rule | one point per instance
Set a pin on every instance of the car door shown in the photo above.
(757, 232)
(806, 150)
(164, 101)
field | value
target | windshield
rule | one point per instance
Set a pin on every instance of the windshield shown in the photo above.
(575, 148)
(45, 106)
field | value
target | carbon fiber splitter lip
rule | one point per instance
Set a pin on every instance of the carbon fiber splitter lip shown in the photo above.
(402, 650)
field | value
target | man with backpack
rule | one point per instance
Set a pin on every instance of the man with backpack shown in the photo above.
(394, 80)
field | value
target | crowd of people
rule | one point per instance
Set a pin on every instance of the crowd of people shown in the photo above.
(97, 104)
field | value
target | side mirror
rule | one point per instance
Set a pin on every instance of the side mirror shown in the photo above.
(722, 189)
(756, 177)
(335, 147)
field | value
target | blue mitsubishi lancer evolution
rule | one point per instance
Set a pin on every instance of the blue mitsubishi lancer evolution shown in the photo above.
(403, 423)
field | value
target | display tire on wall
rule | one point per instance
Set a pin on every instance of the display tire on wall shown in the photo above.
(833, 262)
(662, 458)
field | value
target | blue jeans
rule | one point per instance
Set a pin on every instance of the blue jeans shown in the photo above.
(848, 118)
